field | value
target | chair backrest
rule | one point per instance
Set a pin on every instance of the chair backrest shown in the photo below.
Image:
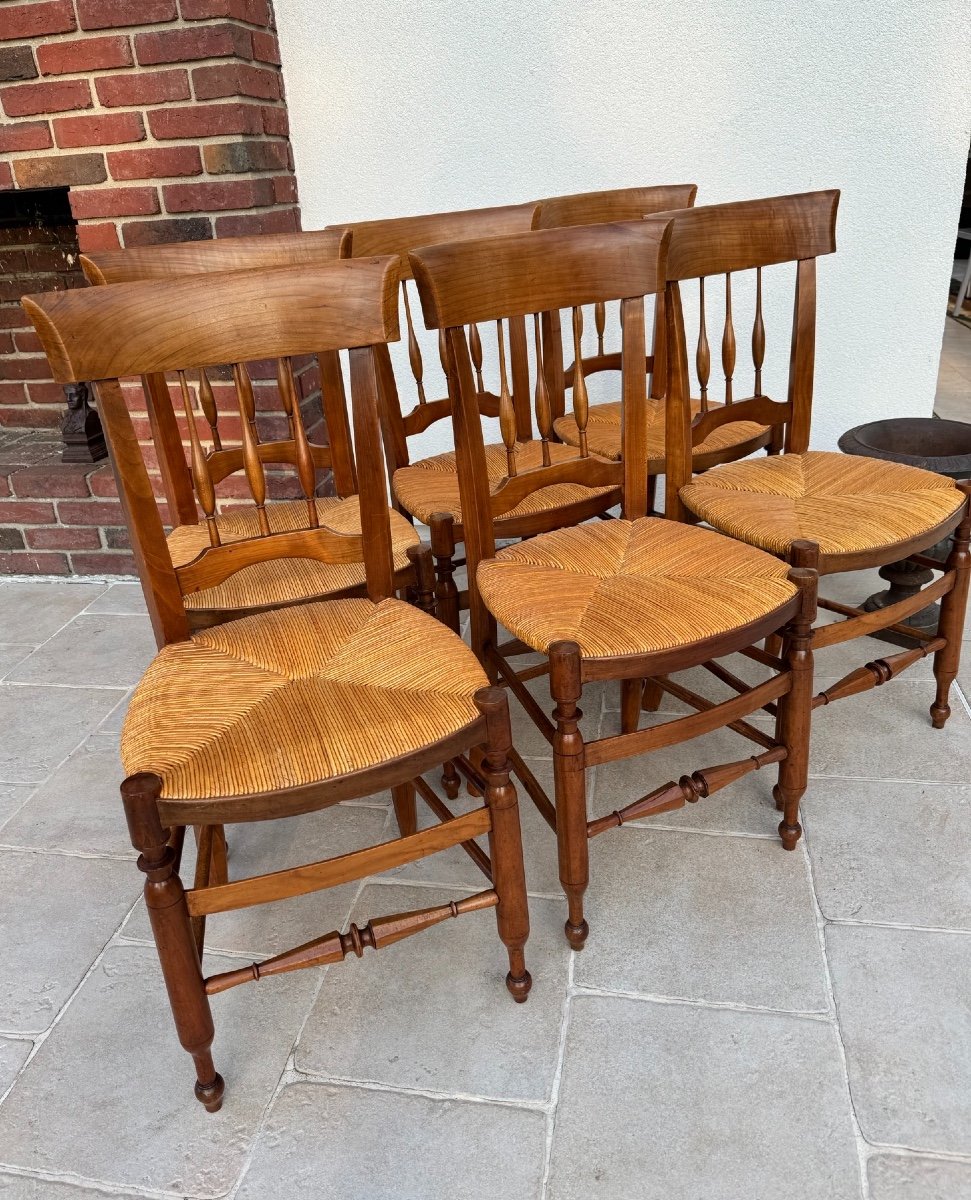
(263, 252)
(197, 323)
(510, 278)
(400, 235)
(726, 240)
(596, 208)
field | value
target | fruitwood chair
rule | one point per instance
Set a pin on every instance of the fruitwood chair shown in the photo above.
(188, 488)
(859, 512)
(294, 710)
(429, 489)
(620, 599)
(724, 444)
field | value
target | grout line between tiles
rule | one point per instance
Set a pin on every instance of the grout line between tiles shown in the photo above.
(554, 1099)
(95, 1187)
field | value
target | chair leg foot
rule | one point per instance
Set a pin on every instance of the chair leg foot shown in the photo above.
(209, 1094)
(939, 714)
(518, 980)
(576, 933)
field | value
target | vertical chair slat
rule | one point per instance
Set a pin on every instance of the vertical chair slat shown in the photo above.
(758, 334)
(475, 349)
(600, 320)
(252, 463)
(544, 415)
(580, 399)
(703, 354)
(306, 471)
(208, 403)
(728, 340)
(507, 413)
(201, 475)
(414, 350)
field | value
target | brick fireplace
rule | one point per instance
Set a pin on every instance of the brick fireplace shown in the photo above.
(124, 123)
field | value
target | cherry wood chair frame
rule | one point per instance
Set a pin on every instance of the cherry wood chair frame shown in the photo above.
(399, 236)
(749, 236)
(630, 204)
(104, 334)
(191, 481)
(545, 272)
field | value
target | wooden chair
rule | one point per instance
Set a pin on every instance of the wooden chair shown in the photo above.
(270, 584)
(429, 489)
(621, 599)
(859, 512)
(289, 711)
(724, 444)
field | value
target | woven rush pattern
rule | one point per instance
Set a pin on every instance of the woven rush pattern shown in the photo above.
(284, 580)
(630, 587)
(432, 485)
(844, 502)
(603, 432)
(297, 696)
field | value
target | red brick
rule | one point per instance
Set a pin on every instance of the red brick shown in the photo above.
(98, 237)
(36, 19)
(266, 47)
(104, 129)
(6, 176)
(6, 343)
(13, 393)
(29, 417)
(26, 562)
(164, 163)
(61, 95)
(255, 12)
(17, 62)
(45, 392)
(154, 233)
(116, 14)
(57, 537)
(50, 481)
(114, 202)
(285, 189)
(88, 512)
(63, 170)
(235, 79)
(117, 538)
(25, 135)
(188, 45)
(27, 342)
(84, 54)
(102, 482)
(12, 316)
(238, 158)
(277, 220)
(104, 563)
(145, 87)
(210, 197)
(25, 368)
(205, 120)
(20, 512)
(276, 122)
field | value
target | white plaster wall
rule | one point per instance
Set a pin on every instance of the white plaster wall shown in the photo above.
(402, 107)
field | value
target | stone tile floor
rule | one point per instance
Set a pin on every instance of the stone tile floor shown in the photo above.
(953, 400)
(744, 1024)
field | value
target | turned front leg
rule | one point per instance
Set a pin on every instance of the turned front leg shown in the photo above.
(570, 787)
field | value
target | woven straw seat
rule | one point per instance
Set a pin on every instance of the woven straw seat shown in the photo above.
(603, 433)
(282, 581)
(630, 587)
(846, 504)
(297, 696)
(432, 485)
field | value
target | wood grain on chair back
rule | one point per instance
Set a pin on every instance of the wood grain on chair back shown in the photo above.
(190, 325)
(725, 240)
(596, 208)
(527, 275)
(263, 252)
(400, 235)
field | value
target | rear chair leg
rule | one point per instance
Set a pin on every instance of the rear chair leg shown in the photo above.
(794, 716)
(951, 623)
(570, 787)
(631, 691)
(165, 900)
(420, 558)
(441, 528)
(451, 780)
(505, 840)
(651, 699)
(405, 808)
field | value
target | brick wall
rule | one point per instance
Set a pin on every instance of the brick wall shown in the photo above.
(167, 121)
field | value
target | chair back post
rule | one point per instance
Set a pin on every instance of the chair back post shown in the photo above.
(677, 408)
(802, 359)
(197, 322)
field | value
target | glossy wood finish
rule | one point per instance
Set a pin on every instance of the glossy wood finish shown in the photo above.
(748, 236)
(246, 317)
(529, 275)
